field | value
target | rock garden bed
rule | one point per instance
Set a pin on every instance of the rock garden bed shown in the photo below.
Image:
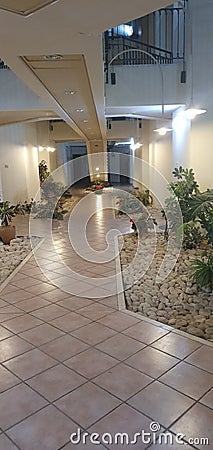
(177, 301)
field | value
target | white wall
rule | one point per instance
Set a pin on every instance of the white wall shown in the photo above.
(18, 162)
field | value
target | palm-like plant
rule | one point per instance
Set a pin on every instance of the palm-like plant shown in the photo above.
(7, 212)
(202, 271)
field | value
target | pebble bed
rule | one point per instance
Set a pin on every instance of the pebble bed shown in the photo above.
(12, 255)
(177, 301)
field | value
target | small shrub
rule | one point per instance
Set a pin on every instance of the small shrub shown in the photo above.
(202, 271)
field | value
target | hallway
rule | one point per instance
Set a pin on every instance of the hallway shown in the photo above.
(72, 359)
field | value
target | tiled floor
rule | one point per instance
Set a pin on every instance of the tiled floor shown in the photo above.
(70, 362)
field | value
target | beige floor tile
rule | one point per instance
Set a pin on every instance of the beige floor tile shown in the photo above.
(145, 332)
(161, 403)
(95, 311)
(118, 321)
(4, 333)
(48, 429)
(203, 358)
(97, 401)
(64, 347)
(93, 333)
(49, 312)
(18, 403)
(30, 364)
(22, 323)
(40, 288)
(10, 312)
(91, 363)
(6, 443)
(74, 303)
(176, 345)
(70, 322)
(41, 334)
(32, 304)
(56, 382)
(197, 422)
(122, 381)
(7, 380)
(189, 380)
(13, 346)
(152, 362)
(120, 346)
(16, 295)
(123, 419)
(207, 400)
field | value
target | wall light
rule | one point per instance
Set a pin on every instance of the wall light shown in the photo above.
(162, 131)
(97, 168)
(191, 113)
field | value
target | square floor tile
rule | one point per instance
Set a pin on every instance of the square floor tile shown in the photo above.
(6, 444)
(30, 364)
(26, 282)
(7, 380)
(18, 403)
(122, 381)
(55, 382)
(161, 403)
(13, 346)
(40, 288)
(145, 332)
(110, 301)
(203, 358)
(4, 333)
(208, 399)
(197, 422)
(95, 311)
(55, 296)
(176, 345)
(120, 346)
(152, 362)
(32, 304)
(47, 429)
(93, 333)
(189, 380)
(170, 447)
(118, 321)
(49, 313)
(41, 334)
(22, 323)
(70, 322)
(123, 419)
(91, 363)
(9, 312)
(75, 303)
(87, 404)
(16, 295)
(64, 347)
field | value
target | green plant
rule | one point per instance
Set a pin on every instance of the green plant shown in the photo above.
(184, 189)
(43, 171)
(143, 196)
(202, 271)
(192, 234)
(8, 211)
(142, 223)
(201, 208)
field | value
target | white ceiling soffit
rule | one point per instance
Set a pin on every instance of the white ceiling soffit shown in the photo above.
(12, 117)
(64, 75)
(24, 7)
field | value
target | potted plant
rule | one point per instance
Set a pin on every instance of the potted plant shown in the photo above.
(7, 212)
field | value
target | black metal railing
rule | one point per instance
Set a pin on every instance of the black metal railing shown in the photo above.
(158, 37)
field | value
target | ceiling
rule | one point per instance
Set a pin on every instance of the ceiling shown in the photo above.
(10, 117)
(73, 30)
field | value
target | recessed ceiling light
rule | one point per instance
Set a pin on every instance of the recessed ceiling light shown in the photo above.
(69, 92)
(53, 57)
(80, 110)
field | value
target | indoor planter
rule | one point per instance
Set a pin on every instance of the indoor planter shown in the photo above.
(7, 212)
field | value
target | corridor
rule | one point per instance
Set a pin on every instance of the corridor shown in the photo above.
(72, 359)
